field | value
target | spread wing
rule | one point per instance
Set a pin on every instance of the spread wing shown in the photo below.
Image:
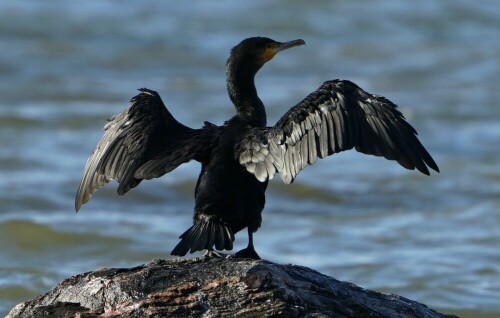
(145, 141)
(338, 116)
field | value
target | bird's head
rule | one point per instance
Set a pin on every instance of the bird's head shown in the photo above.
(252, 53)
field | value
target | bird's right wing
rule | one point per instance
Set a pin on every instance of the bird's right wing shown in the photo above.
(145, 141)
(337, 117)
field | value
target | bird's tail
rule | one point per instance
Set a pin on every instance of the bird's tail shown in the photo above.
(203, 235)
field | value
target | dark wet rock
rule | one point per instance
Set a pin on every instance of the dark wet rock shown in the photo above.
(215, 288)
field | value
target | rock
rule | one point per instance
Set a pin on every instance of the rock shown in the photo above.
(215, 287)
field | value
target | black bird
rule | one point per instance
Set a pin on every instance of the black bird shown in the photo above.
(238, 158)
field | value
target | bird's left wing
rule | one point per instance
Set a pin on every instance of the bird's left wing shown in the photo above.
(338, 116)
(145, 141)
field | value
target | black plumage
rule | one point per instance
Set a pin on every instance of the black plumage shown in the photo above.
(238, 158)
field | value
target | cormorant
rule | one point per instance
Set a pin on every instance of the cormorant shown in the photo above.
(238, 158)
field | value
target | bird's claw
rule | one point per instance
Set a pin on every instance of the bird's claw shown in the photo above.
(212, 253)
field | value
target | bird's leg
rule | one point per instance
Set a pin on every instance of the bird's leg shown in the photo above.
(249, 251)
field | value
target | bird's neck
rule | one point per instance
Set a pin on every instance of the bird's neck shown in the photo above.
(243, 94)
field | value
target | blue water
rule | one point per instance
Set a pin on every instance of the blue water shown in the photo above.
(65, 67)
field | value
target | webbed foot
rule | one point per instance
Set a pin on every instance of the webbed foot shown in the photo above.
(212, 253)
(247, 253)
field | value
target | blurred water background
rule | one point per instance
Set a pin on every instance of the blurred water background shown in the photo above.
(66, 66)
